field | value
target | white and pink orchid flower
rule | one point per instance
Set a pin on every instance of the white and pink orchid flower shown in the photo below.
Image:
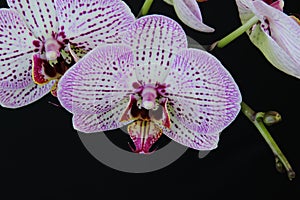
(276, 34)
(156, 83)
(41, 39)
(189, 13)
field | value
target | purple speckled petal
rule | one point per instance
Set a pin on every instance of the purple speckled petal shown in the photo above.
(278, 39)
(189, 13)
(40, 16)
(11, 98)
(156, 32)
(203, 94)
(90, 23)
(106, 120)
(98, 81)
(179, 133)
(152, 65)
(16, 51)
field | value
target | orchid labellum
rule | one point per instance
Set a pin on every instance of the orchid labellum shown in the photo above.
(153, 82)
(42, 39)
(276, 34)
(189, 13)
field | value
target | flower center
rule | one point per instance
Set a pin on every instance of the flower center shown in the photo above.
(148, 103)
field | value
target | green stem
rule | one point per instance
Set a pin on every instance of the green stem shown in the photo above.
(256, 119)
(242, 29)
(145, 8)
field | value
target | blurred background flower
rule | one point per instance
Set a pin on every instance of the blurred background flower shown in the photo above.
(276, 34)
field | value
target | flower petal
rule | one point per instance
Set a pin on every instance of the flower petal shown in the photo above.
(144, 134)
(156, 32)
(152, 65)
(98, 81)
(189, 13)
(90, 23)
(179, 133)
(106, 120)
(245, 8)
(16, 50)
(203, 94)
(40, 16)
(282, 46)
(15, 98)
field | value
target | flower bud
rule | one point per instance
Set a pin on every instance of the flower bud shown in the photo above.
(271, 117)
(279, 165)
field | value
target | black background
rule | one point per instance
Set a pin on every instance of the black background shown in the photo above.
(42, 156)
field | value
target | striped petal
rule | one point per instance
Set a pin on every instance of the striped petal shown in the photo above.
(280, 44)
(40, 16)
(15, 98)
(189, 13)
(16, 50)
(90, 23)
(106, 120)
(156, 32)
(203, 94)
(152, 65)
(98, 81)
(144, 134)
(179, 133)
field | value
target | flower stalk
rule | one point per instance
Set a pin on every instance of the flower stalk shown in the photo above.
(145, 8)
(235, 34)
(280, 160)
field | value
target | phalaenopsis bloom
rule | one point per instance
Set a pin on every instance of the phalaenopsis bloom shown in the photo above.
(189, 13)
(276, 34)
(42, 39)
(154, 83)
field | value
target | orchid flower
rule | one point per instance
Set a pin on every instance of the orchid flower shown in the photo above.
(42, 39)
(189, 13)
(276, 34)
(153, 81)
